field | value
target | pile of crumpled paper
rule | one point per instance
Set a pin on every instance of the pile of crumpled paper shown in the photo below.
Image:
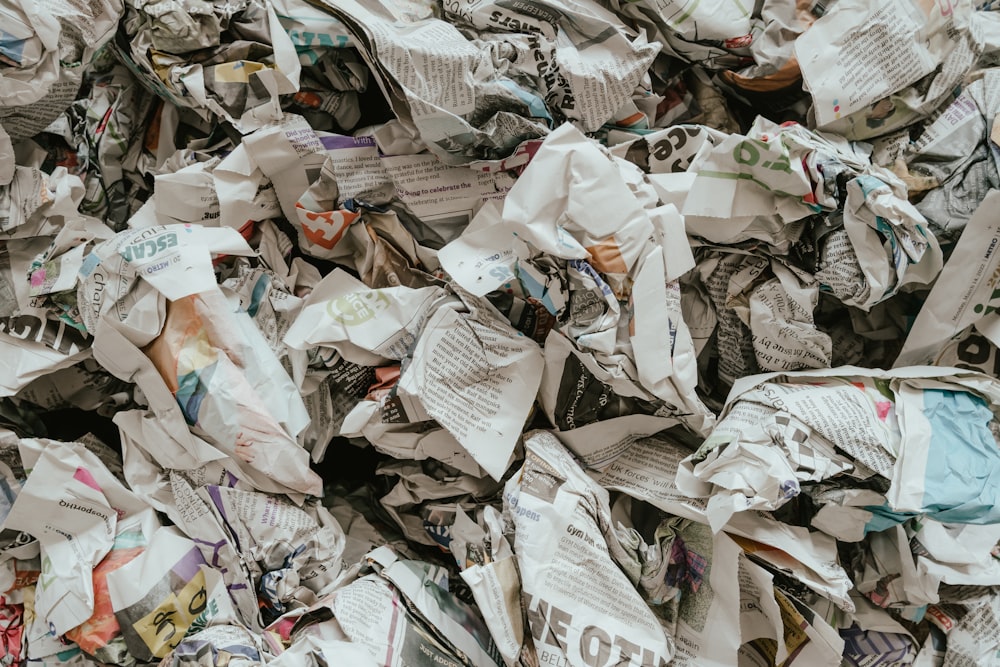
(475, 333)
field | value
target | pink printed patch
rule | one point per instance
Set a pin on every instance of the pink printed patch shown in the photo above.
(741, 42)
(882, 408)
(38, 278)
(83, 475)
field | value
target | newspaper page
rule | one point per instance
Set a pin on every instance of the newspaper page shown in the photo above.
(581, 606)
(425, 587)
(647, 470)
(217, 640)
(405, 615)
(617, 250)
(482, 258)
(446, 196)
(290, 154)
(74, 506)
(806, 639)
(25, 197)
(434, 191)
(967, 565)
(808, 556)
(860, 53)
(894, 426)
(230, 386)
(658, 324)
(43, 47)
(424, 500)
(745, 176)
(405, 51)
(874, 210)
(714, 320)
(965, 292)
(760, 615)
(23, 360)
(355, 162)
(953, 156)
(366, 326)
(175, 493)
(877, 637)
(164, 432)
(170, 484)
(85, 385)
(715, 34)
(668, 151)
(490, 569)
(807, 452)
(598, 415)
(100, 635)
(939, 469)
(402, 440)
(970, 350)
(232, 389)
(244, 193)
(705, 623)
(176, 260)
(188, 195)
(35, 206)
(476, 376)
(240, 86)
(586, 70)
(373, 615)
(264, 296)
(295, 547)
(782, 323)
(314, 651)
(876, 67)
(166, 592)
(573, 218)
(973, 639)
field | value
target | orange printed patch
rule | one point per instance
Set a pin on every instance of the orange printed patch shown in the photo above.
(606, 257)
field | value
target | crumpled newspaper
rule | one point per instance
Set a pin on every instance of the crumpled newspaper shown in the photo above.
(487, 332)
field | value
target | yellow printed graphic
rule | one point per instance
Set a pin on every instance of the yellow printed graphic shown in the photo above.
(794, 622)
(236, 72)
(163, 628)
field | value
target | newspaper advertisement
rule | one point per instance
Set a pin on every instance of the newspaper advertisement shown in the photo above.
(165, 593)
(227, 384)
